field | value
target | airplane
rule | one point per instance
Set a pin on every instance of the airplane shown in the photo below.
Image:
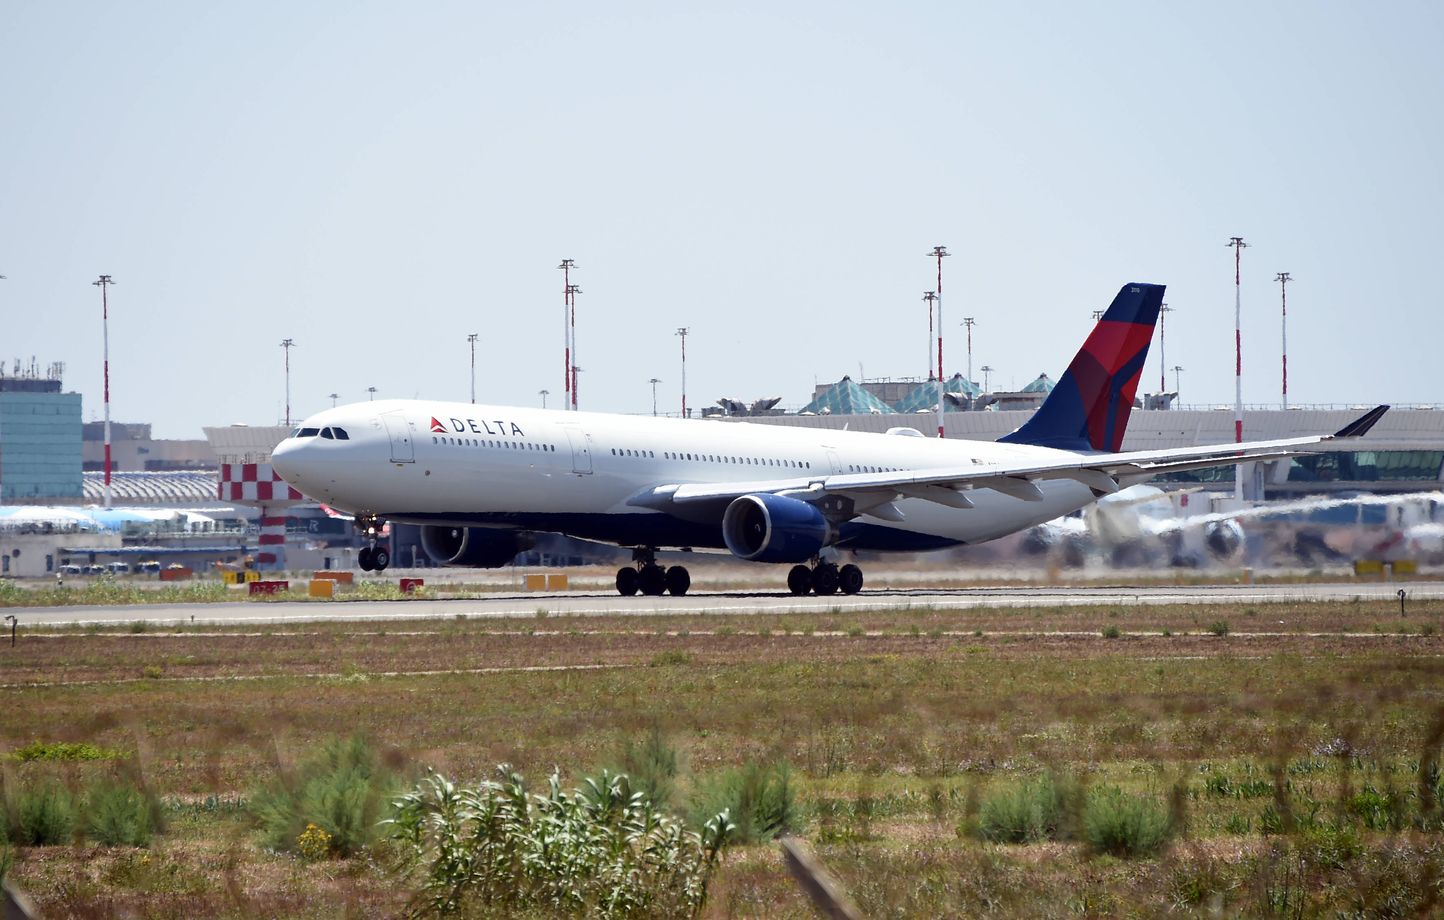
(480, 480)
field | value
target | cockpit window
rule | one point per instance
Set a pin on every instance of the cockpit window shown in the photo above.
(308, 432)
(326, 433)
(341, 434)
(295, 432)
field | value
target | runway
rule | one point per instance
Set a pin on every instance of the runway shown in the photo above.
(733, 603)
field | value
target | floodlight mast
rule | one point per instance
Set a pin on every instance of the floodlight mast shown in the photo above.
(1283, 278)
(471, 338)
(939, 253)
(1238, 247)
(572, 292)
(1163, 310)
(566, 267)
(104, 283)
(288, 344)
(682, 331)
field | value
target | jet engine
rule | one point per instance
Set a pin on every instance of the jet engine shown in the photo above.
(476, 547)
(1224, 539)
(772, 528)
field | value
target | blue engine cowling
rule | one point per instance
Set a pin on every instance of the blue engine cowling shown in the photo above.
(771, 528)
(477, 547)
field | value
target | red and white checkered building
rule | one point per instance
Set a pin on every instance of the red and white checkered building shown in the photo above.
(246, 478)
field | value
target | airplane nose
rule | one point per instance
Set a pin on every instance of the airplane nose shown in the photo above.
(287, 460)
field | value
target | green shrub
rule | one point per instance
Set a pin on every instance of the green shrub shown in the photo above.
(652, 766)
(343, 789)
(1124, 825)
(45, 816)
(1378, 810)
(597, 851)
(63, 751)
(1039, 809)
(1218, 627)
(1111, 632)
(121, 814)
(758, 798)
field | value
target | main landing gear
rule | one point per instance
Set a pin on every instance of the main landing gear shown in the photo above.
(372, 557)
(824, 578)
(651, 579)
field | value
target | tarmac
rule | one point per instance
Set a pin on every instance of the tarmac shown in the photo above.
(530, 605)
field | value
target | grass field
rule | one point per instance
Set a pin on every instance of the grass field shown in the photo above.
(1290, 746)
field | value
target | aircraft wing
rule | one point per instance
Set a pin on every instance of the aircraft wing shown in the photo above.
(1101, 472)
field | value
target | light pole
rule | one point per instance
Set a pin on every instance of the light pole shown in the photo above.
(1177, 387)
(471, 338)
(1163, 310)
(1283, 279)
(566, 267)
(986, 371)
(682, 331)
(372, 391)
(1238, 247)
(968, 321)
(288, 344)
(572, 292)
(334, 397)
(930, 296)
(939, 253)
(103, 284)
(654, 381)
(543, 394)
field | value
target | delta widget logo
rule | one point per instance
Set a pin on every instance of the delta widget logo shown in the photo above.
(437, 427)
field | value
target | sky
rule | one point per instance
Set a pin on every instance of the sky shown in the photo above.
(377, 181)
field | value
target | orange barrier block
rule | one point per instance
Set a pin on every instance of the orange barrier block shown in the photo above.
(557, 582)
(345, 578)
(536, 582)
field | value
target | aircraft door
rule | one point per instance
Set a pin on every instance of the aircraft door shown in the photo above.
(399, 431)
(581, 451)
(834, 461)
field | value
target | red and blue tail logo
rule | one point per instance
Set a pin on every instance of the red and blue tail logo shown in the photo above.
(1088, 409)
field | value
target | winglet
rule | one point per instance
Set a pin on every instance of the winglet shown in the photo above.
(1361, 425)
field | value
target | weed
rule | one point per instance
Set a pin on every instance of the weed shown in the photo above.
(854, 631)
(1167, 633)
(758, 797)
(652, 766)
(1038, 809)
(342, 789)
(1219, 628)
(670, 658)
(121, 814)
(64, 751)
(600, 850)
(1111, 632)
(1124, 825)
(46, 816)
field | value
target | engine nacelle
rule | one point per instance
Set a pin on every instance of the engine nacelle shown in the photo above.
(476, 547)
(1223, 539)
(771, 528)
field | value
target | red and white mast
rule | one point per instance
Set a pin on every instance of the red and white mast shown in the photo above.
(103, 284)
(1283, 279)
(1238, 247)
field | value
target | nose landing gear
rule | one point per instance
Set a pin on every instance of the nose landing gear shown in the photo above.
(651, 579)
(372, 557)
(824, 578)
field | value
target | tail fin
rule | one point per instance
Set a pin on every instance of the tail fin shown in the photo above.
(1088, 409)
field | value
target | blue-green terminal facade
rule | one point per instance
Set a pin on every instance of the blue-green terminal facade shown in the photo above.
(39, 440)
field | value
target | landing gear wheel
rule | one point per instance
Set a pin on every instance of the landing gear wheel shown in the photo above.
(652, 580)
(363, 558)
(678, 580)
(799, 580)
(824, 579)
(627, 581)
(849, 579)
(380, 558)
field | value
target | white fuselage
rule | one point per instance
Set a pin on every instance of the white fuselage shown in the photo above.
(425, 462)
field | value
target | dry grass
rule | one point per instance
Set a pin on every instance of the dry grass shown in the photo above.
(895, 722)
